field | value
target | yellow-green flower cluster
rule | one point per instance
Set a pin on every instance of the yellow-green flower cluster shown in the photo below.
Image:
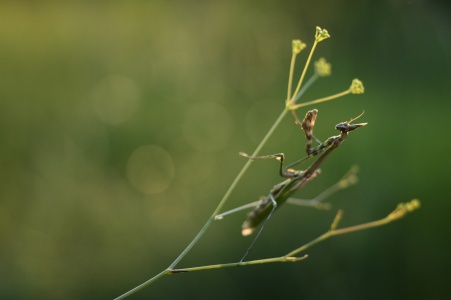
(298, 46)
(322, 67)
(356, 87)
(321, 34)
(404, 208)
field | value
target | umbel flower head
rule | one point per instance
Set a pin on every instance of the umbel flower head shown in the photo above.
(404, 208)
(356, 87)
(298, 46)
(321, 34)
(322, 67)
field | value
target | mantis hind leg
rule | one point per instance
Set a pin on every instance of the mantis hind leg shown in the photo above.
(274, 206)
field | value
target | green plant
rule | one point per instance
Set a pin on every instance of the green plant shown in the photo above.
(322, 68)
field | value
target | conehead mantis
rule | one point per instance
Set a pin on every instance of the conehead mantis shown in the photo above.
(295, 178)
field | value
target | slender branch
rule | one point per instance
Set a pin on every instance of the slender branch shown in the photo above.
(328, 98)
(298, 87)
(400, 211)
(305, 87)
(142, 285)
(290, 76)
(239, 264)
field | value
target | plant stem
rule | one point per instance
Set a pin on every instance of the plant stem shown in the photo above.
(239, 264)
(142, 285)
(334, 232)
(298, 87)
(305, 87)
(398, 213)
(290, 76)
(328, 98)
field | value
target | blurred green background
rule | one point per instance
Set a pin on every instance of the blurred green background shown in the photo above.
(121, 122)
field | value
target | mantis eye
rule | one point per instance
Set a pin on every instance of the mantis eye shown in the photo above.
(342, 126)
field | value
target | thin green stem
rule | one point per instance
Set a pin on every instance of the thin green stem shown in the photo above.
(298, 87)
(398, 213)
(362, 226)
(328, 98)
(305, 87)
(142, 285)
(239, 264)
(311, 243)
(290, 76)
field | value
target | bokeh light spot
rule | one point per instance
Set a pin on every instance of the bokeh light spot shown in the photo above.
(150, 169)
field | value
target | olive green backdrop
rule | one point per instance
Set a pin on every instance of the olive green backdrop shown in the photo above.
(121, 121)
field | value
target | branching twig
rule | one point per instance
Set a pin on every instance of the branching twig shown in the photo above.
(400, 211)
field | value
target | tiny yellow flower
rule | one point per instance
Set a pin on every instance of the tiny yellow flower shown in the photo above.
(412, 205)
(322, 67)
(403, 208)
(298, 46)
(321, 34)
(357, 87)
